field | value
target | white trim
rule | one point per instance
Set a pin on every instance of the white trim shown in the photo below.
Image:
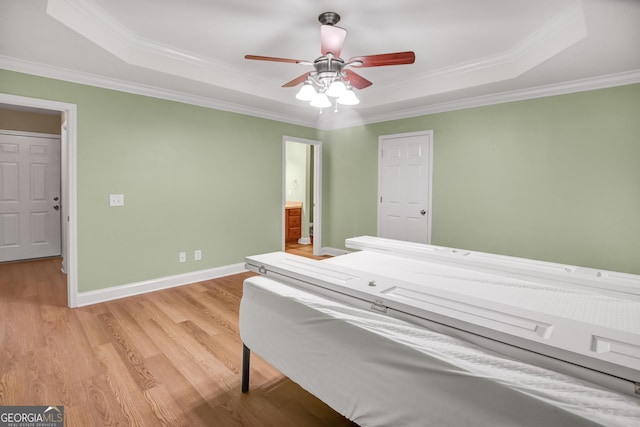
(555, 36)
(333, 251)
(96, 24)
(572, 86)
(317, 189)
(564, 88)
(94, 80)
(69, 183)
(131, 289)
(381, 139)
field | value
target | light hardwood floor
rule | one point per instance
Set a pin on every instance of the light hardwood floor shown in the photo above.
(167, 358)
(303, 250)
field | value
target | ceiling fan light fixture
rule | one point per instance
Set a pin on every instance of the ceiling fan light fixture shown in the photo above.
(306, 92)
(330, 77)
(336, 89)
(321, 101)
(349, 98)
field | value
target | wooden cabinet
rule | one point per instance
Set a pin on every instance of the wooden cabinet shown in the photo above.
(293, 222)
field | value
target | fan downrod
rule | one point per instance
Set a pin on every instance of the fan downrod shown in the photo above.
(329, 18)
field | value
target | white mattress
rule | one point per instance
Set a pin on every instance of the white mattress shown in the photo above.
(571, 303)
(526, 311)
(380, 371)
(617, 284)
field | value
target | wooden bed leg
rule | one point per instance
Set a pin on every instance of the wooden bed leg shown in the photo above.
(246, 357)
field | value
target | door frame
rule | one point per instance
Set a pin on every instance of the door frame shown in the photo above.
(68, 193)
(381, 139)
(317, 189)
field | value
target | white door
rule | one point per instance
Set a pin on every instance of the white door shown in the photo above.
(29, 196)
(404, 187)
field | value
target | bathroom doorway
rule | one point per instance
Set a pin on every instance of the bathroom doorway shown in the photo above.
(301, 194)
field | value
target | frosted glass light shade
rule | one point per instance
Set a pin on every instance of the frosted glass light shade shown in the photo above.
(337, 89)
(306, 92)
(349, 98)
(321, 101)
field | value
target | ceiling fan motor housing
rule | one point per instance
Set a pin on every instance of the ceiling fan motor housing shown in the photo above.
(329, 18)
(328, 68)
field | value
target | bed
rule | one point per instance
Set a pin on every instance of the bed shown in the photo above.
(406, 334)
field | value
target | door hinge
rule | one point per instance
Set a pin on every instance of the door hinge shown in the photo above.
(380, 199)
(378, 305)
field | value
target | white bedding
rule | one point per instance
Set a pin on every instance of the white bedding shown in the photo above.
(380, 371)
(577, 304)
(531, 312)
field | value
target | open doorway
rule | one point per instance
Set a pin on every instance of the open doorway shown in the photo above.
(67, 208)
(301, 195)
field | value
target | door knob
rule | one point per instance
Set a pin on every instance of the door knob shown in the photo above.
(56, 207)
(423, 212)
(55, 199)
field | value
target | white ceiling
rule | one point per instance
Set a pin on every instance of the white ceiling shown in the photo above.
(468, 52)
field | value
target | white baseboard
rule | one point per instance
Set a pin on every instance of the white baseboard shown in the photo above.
(304, 240)
(131, 289)
(333, 251)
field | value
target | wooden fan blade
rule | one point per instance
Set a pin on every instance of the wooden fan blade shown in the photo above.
(297, 80)
(332, 39)
(273, 59)
(397, 58)
(357, 80)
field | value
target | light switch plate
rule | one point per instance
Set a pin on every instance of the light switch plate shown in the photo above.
(116, 199)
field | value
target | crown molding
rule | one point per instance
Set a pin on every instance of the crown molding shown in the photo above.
(555, 36)
(89, 20)
(564, 88)
(72, 76)
(92, 22)
(582, 85)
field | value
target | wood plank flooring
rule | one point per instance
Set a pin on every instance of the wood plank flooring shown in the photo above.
(167, 358)
(303, 250)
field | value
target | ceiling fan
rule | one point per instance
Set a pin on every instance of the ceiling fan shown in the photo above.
(330, 76)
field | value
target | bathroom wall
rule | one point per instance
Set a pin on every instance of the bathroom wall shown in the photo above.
(297, 180)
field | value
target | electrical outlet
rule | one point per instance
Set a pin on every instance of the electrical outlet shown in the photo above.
(197, 255)
(182, 257)
(116, 199)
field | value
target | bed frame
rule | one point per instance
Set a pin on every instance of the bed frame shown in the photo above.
(393, 279)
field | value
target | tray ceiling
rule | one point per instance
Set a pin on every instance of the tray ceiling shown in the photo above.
(193, 51)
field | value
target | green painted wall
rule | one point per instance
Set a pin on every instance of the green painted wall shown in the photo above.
(192, 178)
(297, 180)
(554, 178)
(349, 184)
